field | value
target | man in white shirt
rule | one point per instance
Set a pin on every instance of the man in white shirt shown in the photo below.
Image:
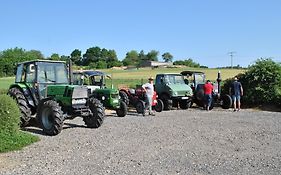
(149, 90)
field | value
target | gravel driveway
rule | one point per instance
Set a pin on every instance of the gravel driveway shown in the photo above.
(174, 142)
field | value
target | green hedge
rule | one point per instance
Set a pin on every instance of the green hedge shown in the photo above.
(261, 83)
(11, 137)
(9, 114)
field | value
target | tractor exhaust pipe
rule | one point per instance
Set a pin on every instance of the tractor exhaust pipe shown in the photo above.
(70, 71)
(219, 81)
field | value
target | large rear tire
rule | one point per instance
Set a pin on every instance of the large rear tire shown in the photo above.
(25, 116)
(159, 106)
(122, 110)
(50, 117)
(124, 97)
(199, 97)
(140, 105)
(95, 120)
(226, 101)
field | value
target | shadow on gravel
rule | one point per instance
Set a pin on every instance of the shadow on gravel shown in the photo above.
(71, 125)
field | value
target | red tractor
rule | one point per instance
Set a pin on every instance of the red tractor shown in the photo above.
(136, 98)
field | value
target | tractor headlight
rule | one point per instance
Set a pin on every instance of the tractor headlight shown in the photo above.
(103, 97)
(78, 101)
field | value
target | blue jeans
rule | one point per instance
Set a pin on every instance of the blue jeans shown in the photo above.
(208, 99)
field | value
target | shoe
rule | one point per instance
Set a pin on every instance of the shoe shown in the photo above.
(234, 110)
(152, 114)
(143, 114)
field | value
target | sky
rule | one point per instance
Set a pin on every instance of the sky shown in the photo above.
(204, 30)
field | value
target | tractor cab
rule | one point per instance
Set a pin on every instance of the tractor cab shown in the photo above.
(92, 79)
(194, 78)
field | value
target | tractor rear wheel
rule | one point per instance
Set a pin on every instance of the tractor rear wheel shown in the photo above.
(124, 97)
(140, 106)
(159, 106)
(226, 101)
(25, 117)
(122, 110)
(95, 119)
(50, 117)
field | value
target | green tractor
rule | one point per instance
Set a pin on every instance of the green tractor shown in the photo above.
(43, 88)
(96, 83)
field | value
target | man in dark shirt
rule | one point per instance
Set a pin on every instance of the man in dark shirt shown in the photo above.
(236, 92)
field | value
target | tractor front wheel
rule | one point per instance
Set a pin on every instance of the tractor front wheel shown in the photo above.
(122, 110)
(16, 94)
(168, 103)
(124, 97)
(159, 106)
(50, 117)
(95, 119)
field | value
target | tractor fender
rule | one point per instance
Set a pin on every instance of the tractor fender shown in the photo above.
(27, 94)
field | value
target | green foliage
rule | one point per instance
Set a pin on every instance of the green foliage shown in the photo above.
(261, 83)
(99, 56)
(10, 57)
(55, 57)
(11, 138)
(167, 57)
(189, 63)
(9, 114)
(15, 141)
(132, 58)
(3, 91)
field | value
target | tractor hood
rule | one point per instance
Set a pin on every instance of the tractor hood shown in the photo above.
(107, 91)
(67, 90)
(180, 89)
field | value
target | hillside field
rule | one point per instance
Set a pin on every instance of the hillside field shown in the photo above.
(138, 76)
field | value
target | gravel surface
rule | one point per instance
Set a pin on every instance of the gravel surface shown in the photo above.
(189, 141)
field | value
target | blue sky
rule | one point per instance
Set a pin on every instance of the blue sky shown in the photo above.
(205, 30)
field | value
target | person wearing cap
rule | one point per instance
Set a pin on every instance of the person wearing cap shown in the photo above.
(208, 89)
(236, 91)
(149, 90)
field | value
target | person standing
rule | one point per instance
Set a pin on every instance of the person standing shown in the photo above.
(236, 91)
(208, 89)
(149, 90)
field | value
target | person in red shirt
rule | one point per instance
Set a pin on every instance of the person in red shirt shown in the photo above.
(208, 89)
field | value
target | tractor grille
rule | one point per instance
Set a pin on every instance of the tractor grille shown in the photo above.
(80, 92)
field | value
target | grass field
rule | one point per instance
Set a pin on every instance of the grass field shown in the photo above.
(138, 76)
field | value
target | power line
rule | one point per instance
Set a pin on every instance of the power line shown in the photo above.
(231, 54)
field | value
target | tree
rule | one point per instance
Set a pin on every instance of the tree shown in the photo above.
(167, 57)
(131, 58)
(10, 57)
(152, 55)
(92, 55)
(76, 56)
(55, 57)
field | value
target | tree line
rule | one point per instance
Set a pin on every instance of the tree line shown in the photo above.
(93, 58)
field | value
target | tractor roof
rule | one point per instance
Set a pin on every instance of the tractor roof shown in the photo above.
(187, 72)
(90, 72)
(46, 61)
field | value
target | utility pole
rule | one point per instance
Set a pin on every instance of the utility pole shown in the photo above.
(231, 54)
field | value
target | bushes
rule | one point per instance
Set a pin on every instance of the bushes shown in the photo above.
(261, 83)
(9, 113)
(10, 135)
